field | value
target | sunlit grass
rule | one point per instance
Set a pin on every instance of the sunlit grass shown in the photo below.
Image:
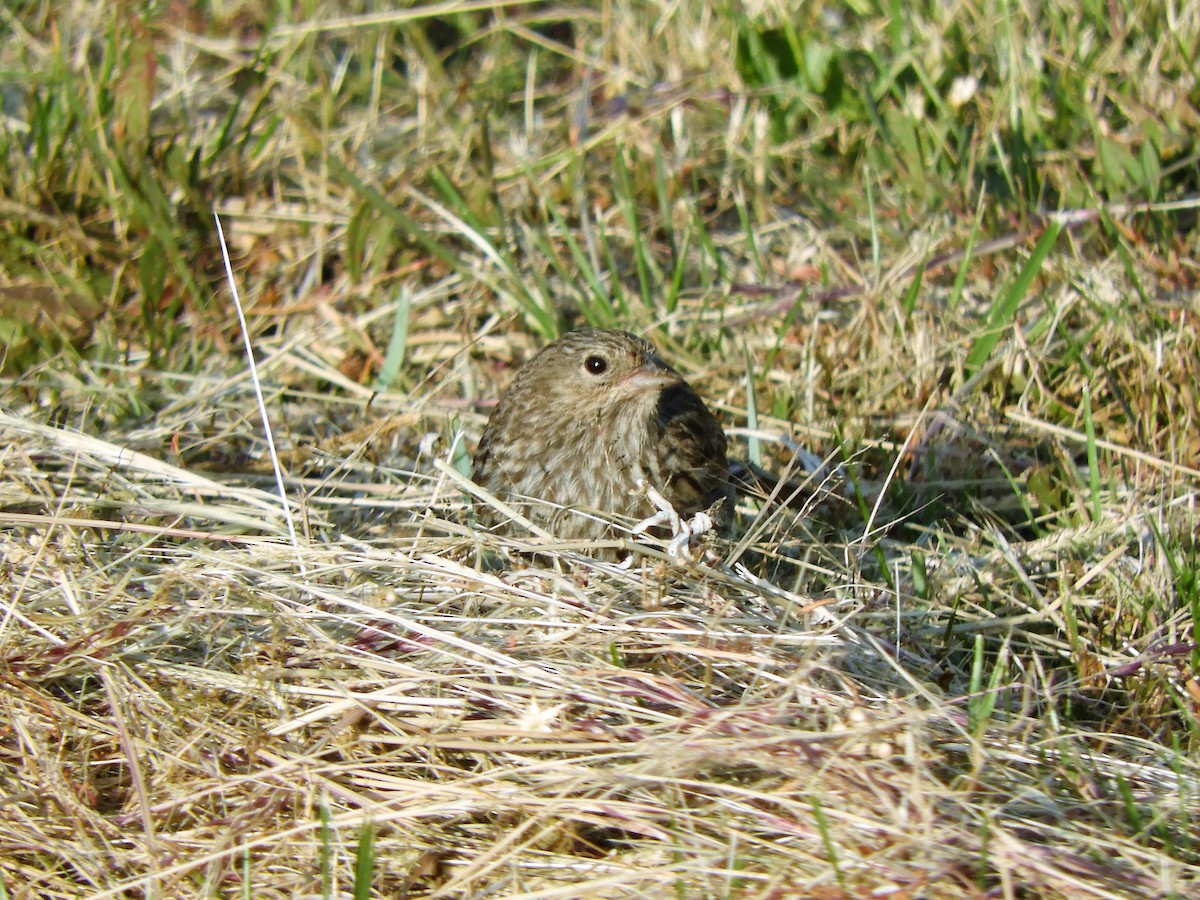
(950, 250)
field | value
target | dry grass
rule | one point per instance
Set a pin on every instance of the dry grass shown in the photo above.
(963, 661)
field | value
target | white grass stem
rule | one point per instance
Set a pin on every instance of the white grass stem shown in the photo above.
(258, 395)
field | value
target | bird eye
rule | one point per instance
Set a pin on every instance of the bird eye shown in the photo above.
(595, 365)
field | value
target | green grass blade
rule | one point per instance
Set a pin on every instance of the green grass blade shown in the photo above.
(394, 357)
(1004, 310)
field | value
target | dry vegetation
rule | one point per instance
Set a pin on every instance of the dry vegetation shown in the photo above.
(961, 661)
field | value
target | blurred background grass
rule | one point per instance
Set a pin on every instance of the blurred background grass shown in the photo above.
(593, 164)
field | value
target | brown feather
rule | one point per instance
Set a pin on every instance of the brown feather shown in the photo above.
(587, 417)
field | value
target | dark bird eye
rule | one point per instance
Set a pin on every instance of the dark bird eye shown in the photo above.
(596, 365)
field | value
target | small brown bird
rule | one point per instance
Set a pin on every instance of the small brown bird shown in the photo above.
(592, 422)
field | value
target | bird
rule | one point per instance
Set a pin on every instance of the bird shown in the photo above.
(597, 422)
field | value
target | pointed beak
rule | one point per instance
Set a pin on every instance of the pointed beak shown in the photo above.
(652, 375)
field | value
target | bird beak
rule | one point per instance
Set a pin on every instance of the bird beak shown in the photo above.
(651, 375)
